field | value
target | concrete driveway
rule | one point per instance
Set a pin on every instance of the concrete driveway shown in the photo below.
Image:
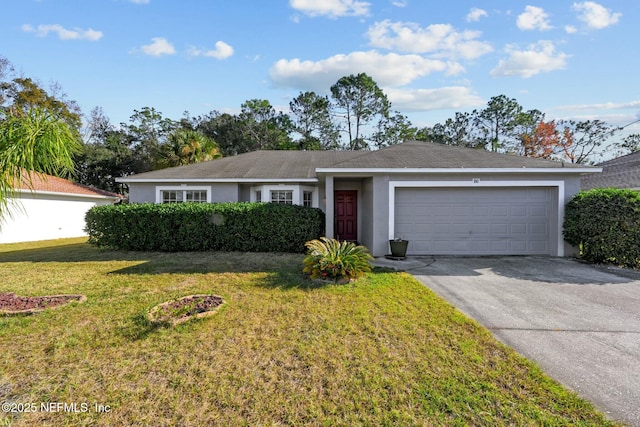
(579, 323)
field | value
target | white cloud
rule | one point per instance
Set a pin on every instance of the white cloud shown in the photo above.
(63, 33)
(159, 47)
(439, 39)
(222, 51)
(533, 18)
(453, 97)
(331, 8)
(613, 113)
(538, 58)
(400, 3)
(390, 69)
(604, 106)
(570, 29)
(475, 14)
(595, 15)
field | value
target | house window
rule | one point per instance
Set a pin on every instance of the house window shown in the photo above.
(179, 196)
(170, 196)
(198, 196)
(259, 196)
(307, 198)
(282, 196)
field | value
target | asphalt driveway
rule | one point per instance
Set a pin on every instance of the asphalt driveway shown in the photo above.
(579, 323)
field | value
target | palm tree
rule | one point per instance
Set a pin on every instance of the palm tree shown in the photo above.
(184, 147)
(35, 140)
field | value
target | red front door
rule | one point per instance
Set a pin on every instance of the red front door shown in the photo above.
(346, 215)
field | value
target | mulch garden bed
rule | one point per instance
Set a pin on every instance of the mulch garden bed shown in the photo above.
(186, 308)
(11, 303)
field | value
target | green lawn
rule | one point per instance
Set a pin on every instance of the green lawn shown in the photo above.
(381, 351)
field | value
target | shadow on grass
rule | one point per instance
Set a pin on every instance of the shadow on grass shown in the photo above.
(157, 262)
(284, 270)
(139, 327)
(214, 262)
(294, 279)
(73, 252)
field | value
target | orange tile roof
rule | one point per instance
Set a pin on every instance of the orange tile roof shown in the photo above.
(42, 182)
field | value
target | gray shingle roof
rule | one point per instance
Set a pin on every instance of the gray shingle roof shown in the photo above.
(302, 164)
(622, 172)
(415, 154)
(266, 164)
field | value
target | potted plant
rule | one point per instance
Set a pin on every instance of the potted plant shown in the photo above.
(398, 247)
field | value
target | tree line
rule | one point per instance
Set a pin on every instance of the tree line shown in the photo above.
(356, 116)
(504, 126)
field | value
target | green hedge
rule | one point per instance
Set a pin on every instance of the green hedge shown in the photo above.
(605, 225)
(249, 227)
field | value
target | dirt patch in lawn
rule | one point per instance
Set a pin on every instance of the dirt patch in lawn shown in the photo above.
(11, 303)
(186, 308)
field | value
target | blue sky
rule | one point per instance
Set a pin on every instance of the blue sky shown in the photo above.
(569, 59)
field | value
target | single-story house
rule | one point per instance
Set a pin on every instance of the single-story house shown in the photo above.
(621, 172)
(47, 207)
(443, 199)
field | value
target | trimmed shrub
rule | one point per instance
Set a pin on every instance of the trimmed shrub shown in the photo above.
(247, 227)
(605, 224)
(331, 259)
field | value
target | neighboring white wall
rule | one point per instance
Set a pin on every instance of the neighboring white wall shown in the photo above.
(46, 216)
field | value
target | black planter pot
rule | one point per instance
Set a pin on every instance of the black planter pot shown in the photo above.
(399, 248)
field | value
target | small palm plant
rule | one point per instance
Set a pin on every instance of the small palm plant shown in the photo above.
(32, 141)
(330, 259)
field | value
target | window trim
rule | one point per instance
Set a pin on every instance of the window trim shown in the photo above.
(184, 189)
(296, 190)
(286, 199)
(304, 202)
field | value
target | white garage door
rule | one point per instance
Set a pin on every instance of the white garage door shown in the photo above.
(479, 221)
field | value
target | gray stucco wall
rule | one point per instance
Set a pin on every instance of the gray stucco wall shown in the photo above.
(225, 192)
(373, 198)
(329, 206)
(572, 187)
(374, 201)
(142, 193)
(367, 224)
(244, 192)
(380, 245)
(220, 192)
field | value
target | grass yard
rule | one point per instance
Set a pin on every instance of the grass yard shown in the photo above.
(381, 351)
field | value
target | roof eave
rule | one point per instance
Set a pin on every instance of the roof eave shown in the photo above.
(461, 170)
(58, 193)
(127, 180)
